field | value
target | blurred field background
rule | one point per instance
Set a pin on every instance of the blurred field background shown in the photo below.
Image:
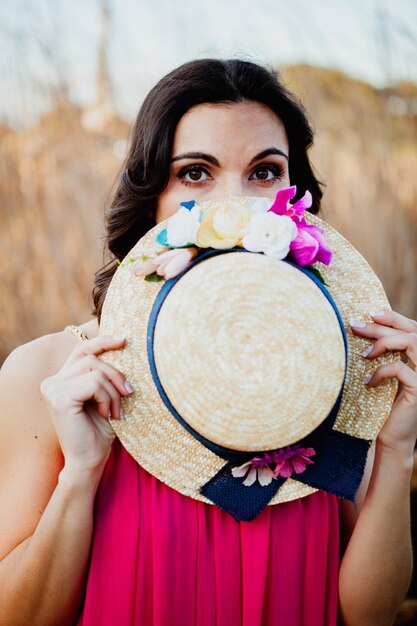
(73, 75)
(61, 149)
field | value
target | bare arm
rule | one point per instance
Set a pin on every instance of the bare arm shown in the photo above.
(52, 454)
(42, 579)
(376, 568)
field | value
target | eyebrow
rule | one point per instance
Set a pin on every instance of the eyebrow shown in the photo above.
(211, 159)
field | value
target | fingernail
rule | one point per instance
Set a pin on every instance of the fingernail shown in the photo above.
(122, 413)
(357, 323)
(128, 386)
(367, 351)
(119, 337)
(368, 379)
(377, 313)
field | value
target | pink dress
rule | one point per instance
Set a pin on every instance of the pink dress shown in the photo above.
(160, 558)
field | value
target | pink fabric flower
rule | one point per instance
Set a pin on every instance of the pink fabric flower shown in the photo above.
(173, 262)
(168, 264)
(310, 245)
(281, 205)
(292, 459)
(142, 267)
(287, 460)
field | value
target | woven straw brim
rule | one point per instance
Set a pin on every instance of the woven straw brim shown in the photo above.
(150, 432)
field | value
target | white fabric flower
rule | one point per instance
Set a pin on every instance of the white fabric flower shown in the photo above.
(271, 234)
(183, 225)
(263, 474)
(259, 205)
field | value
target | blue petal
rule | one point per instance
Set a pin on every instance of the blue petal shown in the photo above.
(162, 238)
(188, 205)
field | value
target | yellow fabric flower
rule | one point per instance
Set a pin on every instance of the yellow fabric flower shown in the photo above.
(223, 227)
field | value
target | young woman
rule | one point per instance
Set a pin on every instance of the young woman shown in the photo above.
(208, 129)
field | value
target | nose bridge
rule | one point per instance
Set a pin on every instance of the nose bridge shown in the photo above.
(232, 184)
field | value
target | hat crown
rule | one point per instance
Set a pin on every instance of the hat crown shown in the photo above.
(248, 350)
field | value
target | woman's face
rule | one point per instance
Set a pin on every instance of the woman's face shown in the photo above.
(223, 150)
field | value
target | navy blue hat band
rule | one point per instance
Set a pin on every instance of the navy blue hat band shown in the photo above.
(229, 493)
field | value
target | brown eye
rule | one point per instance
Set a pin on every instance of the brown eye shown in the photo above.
(267, 173)
(263, 174)
(193, 174)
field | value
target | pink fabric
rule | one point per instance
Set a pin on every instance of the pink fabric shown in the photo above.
(160, 558)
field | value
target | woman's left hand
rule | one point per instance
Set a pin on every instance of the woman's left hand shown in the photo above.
(395, 332)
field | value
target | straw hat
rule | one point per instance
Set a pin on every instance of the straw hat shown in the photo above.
(249, 383)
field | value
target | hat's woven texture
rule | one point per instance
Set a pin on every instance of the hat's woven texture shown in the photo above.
(205, 338)
(218, 350)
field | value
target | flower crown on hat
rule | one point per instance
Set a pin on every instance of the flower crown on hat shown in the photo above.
(277, 230)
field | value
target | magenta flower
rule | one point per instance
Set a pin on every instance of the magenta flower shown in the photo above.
(310, 245)
(287, 460)
(292, 459)
(281, 205)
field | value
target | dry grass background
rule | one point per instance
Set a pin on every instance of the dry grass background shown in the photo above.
(54, 178)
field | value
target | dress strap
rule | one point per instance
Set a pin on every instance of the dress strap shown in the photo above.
(81, 336)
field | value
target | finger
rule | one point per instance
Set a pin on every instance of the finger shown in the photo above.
(372, 330)
(401, 342)
(105, 395)
(100, 398)
(104, 425)
(395, 320)
(90, 363)
(96, 346)
(398, 370)
(74, 393)
(93, 386)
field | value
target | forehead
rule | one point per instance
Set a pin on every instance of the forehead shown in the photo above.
(243, 125)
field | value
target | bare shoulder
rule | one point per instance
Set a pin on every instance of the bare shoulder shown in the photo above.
(23, 412)
(43, 352)
(42, 357)
(30, 455)
(22, 407)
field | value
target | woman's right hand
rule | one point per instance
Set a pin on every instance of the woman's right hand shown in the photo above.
(80, 397)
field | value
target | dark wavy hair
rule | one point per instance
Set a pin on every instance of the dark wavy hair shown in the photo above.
(145, 173)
